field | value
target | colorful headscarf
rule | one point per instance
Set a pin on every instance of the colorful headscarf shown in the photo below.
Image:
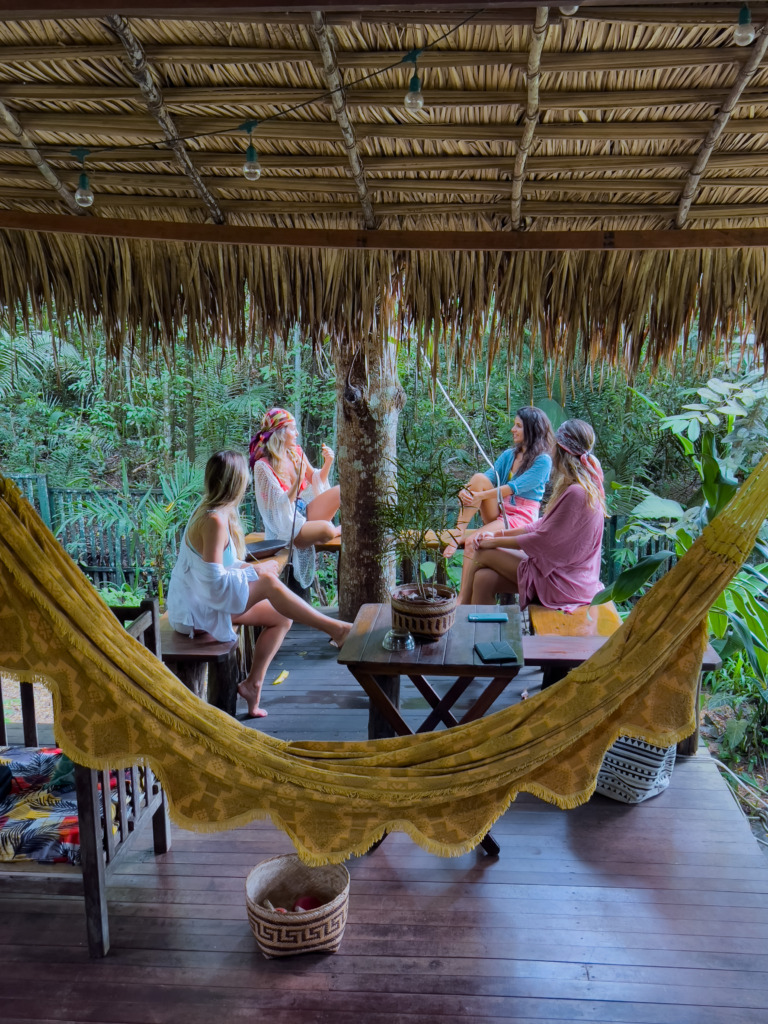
(568, 440)
(272, 420)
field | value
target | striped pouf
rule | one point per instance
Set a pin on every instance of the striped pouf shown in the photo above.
(633, 771)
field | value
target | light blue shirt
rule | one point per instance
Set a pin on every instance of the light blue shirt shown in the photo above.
(530, 483)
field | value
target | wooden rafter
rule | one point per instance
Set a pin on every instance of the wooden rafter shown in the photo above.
(153, 98)
(746, 72)
(14, 126)
(452, 241)
(531, 114)
(339, 106)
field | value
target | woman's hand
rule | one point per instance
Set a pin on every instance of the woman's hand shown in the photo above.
(468, 499)
(475, 543)
(271, 566)
(328, 454)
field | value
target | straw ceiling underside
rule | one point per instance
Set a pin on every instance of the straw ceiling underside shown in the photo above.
(606, 305)
(605, 164)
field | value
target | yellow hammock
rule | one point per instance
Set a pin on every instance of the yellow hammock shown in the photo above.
(115, 704)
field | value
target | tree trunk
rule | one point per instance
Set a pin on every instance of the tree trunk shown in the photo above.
(368, 403)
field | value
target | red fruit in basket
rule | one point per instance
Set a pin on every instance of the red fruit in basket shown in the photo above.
(307, 903)
(280, 910)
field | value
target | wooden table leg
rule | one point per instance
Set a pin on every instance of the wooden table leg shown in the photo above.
(384, 718)
(493, 690)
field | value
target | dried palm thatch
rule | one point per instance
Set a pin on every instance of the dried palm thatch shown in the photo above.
(617, 134)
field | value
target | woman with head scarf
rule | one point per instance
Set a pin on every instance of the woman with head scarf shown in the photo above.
(517, 480)
(294, 499)
(211, 587)
(555, 561)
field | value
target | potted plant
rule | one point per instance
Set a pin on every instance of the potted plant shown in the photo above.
(415, 510)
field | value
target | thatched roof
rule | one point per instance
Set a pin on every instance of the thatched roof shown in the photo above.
(641, 118)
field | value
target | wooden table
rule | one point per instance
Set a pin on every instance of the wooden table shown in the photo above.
(378, 671)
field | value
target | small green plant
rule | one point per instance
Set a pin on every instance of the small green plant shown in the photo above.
(418, 505)
(118, 596)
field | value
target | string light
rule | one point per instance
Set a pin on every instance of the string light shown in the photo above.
(251, 167)
(744, 33)
(414, 98)
(84, 192)
(568, 9)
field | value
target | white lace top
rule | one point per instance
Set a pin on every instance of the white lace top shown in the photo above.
(277, 513)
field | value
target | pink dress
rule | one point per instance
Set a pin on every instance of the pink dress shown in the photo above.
(562, 569)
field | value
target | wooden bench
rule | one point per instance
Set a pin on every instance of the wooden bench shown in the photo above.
(106, 826)
(598, 621)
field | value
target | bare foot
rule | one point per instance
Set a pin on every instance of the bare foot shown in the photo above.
(251, 692)
(340, 634)
(455, 544)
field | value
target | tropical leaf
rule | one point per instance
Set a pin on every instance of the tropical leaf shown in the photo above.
(629, 582)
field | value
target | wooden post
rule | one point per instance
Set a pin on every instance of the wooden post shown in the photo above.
(369, 400)
(92, 860)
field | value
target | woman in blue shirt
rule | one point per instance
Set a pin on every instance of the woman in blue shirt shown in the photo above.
(519, 476)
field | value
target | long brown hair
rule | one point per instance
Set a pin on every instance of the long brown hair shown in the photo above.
(538, 438)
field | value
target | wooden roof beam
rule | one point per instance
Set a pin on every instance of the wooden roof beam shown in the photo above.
(14, 126)
(339, 106)
(748, 69)
(153, 97)
(531, 117)
(450, 241)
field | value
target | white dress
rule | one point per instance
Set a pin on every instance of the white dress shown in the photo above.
(205, 595)
(277, 513)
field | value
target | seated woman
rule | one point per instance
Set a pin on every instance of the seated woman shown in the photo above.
(556, 560)
(293, 498)
(522, 473)
(211, 588)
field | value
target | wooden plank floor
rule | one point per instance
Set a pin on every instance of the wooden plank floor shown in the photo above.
(655, 914)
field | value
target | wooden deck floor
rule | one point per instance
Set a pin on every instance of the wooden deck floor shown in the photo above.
(655, 914)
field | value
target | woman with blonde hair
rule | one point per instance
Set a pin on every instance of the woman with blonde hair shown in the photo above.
(294, 499)
(211, 587)
(556, 560)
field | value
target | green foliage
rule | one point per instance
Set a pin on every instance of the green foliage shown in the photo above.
(737, 688)
(722, 437)
(117, 596)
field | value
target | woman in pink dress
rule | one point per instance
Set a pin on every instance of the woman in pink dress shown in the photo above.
(554, 561)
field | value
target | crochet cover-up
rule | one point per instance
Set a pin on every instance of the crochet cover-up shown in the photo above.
(277, 513)
(562, 569)
(205, 595)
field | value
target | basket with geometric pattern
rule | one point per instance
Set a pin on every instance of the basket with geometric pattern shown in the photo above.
(281, 881)
(633, 771)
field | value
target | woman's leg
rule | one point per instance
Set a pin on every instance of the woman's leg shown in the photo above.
(502, 562)
(318, 528)
(274, 626)
(488, 509)
(268, 587)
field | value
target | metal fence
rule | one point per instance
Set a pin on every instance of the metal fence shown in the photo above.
(108, 556)
(102, 552)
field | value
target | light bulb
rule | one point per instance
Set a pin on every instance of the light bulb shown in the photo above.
(83, 194)
(414, 100)
(252, 167)
(744, 33)
(568, 9)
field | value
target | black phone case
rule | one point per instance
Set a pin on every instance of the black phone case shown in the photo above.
(498, 651)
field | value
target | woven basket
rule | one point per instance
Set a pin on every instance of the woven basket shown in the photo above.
(427, 619)
(281, 880)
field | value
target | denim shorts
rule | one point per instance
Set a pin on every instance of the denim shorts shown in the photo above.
(301, 507)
